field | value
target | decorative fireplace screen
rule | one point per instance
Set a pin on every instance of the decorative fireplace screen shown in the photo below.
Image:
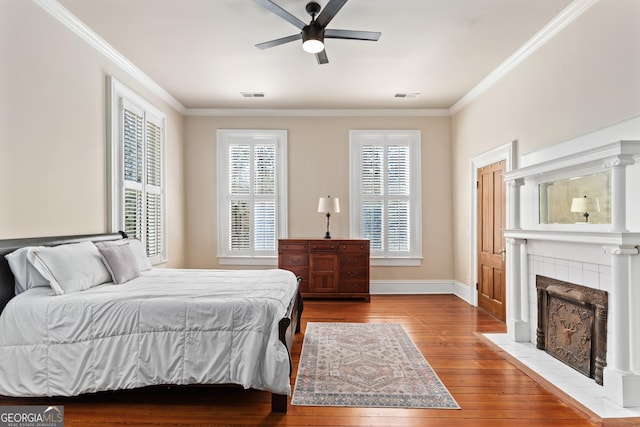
(572, 325)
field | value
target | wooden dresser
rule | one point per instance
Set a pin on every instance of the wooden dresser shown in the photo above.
(330, 268)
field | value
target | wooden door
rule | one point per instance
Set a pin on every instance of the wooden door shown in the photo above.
(491, 245)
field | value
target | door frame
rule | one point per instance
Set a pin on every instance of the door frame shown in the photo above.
(506, 152)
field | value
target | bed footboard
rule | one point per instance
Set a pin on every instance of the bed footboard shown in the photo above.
(289, 326)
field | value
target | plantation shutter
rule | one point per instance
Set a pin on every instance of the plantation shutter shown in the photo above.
(133, 161)
(264, 221)
(252, 197)
(154, 221)
(142, 177)
(385, 193)
(398, 209)
(373, 182)
(239, 197)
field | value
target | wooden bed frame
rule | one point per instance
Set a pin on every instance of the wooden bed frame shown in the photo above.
(288, 325)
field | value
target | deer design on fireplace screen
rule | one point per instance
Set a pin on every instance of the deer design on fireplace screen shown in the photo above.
(572, 325)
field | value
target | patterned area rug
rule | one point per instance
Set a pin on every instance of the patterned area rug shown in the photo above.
(366, 365)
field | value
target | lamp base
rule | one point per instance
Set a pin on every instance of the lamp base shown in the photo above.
(327, 235)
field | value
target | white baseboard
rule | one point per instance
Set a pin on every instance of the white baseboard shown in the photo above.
(420, 287)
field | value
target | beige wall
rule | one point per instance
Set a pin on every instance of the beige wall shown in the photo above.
(53, 165)
(53, 147)
(318, 165)
(586, 78)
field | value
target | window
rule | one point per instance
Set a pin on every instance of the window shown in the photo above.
(385, 201)
(252, 203)
(137, 170)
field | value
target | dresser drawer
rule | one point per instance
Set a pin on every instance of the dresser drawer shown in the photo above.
(357, 286)
(293, 246)
(362, 247)
(294, 260)
(356, 274)
(349, 261)
(323, 246)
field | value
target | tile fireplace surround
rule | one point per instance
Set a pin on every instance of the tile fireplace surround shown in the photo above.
(599, 256)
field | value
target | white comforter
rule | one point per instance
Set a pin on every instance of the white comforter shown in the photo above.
(167, 327)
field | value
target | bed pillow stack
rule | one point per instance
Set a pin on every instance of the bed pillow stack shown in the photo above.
(76, 267)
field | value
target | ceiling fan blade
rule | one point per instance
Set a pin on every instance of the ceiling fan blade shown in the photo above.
(321, 57)
(352, 34)
(329, 11)
(271, 6)
(278, 42)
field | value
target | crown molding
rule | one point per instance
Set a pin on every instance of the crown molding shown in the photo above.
(557, 24)
(568, 15)
(241, 112)
(63, 15)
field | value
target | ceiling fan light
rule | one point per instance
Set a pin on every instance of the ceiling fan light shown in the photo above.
(312, 39)
(313, 46)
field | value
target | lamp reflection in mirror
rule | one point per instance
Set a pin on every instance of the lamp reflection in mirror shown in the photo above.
(328, 205)
(585, 205)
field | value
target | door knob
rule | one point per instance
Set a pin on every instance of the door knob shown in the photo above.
(502, 252)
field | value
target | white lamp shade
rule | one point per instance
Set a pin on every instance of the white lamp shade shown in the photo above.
(329, 204)
(585, 204)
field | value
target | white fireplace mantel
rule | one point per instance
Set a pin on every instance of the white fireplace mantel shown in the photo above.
(607, 252)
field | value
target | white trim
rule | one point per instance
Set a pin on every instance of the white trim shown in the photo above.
(63, 15)
(506, 152)
(413, 139)
(117, 94)
(557, 24)
(419, 287)
(568, 15)
(274, 112)
(222, 144)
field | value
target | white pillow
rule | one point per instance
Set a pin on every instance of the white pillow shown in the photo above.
(70, 268)
(120, 262)
(139, 252)
(26, 275)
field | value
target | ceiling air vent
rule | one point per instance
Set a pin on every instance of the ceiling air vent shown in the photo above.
(407, 95)
(252, 94)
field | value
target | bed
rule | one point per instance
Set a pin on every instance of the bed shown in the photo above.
(159, 327)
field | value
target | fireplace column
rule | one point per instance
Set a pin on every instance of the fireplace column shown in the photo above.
(622, 385)
(618, 166)
(517, 269)
(517, 290)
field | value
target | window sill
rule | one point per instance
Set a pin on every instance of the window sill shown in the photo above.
(270, 261)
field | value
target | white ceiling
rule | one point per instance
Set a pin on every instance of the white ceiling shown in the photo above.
(202, 51)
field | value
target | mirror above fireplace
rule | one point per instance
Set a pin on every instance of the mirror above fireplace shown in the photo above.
(576, 200)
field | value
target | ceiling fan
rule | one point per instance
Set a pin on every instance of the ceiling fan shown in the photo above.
(314, 33)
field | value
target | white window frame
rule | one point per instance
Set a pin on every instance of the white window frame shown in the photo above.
(119, 95)
(224, 138)
(412, 138)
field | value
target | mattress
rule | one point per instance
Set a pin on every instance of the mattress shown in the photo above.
(169, 326)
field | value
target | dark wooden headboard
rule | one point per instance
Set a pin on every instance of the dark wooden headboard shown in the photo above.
(7, 281)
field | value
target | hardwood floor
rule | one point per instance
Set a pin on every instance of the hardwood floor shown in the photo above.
(491, 391)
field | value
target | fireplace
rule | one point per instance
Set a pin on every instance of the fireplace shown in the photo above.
(572, 325)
